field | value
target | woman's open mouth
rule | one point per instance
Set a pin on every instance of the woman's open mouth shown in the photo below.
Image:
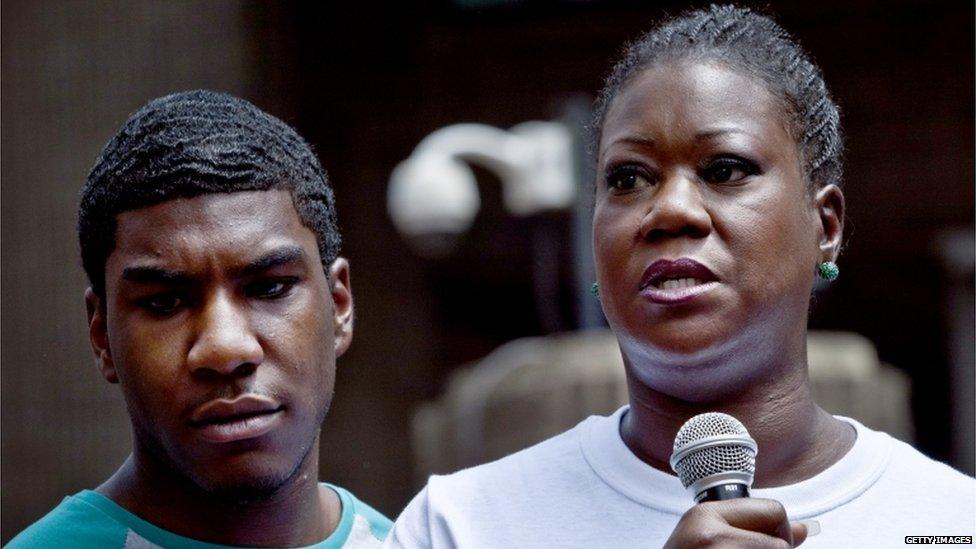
(673, 282)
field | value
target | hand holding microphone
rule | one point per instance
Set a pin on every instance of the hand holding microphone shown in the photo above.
(715, 459)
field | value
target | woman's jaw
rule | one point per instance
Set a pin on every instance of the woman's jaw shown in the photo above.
(729, 364)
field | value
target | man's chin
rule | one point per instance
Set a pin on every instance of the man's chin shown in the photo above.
(245, 489)
(246, 481)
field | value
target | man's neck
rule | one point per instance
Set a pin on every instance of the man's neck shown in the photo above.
(300, 512)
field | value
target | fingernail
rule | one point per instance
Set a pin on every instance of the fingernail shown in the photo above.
(813, 527)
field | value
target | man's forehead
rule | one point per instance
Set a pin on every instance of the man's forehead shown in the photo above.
(211, 209)
(236, 225)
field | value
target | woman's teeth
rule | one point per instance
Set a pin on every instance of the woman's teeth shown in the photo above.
(673, 283)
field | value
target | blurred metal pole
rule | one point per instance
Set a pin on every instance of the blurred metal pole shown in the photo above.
(956, 250)
(576, 114)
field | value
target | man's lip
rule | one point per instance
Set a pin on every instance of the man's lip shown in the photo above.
(240, 428)
(664, 269)
(224, 410)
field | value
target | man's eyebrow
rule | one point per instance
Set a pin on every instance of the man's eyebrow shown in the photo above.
(274, 258)
(154, 275)
(147, 274)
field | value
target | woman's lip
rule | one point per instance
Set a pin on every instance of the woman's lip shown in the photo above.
(240, 428)
(684, 267)
(677, 296)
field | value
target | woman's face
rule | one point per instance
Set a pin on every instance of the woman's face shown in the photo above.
(705, 236)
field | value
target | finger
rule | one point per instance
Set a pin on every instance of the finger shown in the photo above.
(799, 533)
(803, 530)
(744, 539)
(754, 514)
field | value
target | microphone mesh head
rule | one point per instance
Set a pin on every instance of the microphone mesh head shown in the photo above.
(732, 452)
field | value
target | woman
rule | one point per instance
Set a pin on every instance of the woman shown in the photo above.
(718, 200)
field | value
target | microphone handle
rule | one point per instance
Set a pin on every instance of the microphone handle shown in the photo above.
(723, 491)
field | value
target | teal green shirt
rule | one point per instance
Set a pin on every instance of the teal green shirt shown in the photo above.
(91, 520)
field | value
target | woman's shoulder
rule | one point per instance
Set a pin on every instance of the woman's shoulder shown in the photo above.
(540, 467)
(558, 449)
(909, 471)
(925, 469)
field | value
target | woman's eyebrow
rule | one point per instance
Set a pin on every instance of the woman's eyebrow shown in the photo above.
(719, 132)
(639, 140)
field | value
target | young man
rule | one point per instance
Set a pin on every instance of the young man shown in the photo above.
(219, 304)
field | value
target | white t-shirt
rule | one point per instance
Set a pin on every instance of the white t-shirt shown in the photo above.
(584, 488)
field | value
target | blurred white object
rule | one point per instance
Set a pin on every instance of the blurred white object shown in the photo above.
(434, 191)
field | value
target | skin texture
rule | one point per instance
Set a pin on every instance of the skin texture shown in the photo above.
(696, 161)
(755, 523)
(210, 298)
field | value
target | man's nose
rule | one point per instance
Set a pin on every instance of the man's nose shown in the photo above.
(225, 342)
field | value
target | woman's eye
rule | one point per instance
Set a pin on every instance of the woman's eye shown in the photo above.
(626, 179)
(162, 304)
(728, 170)
(270, 288)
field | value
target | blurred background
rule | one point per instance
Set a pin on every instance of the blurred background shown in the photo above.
(364, 84)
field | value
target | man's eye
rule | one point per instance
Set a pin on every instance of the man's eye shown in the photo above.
(162, 304)
(728, 170)
(627, 178)
(270, 288)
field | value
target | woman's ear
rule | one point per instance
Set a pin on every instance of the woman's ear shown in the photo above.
(829, 202)
(98, 336)
(342, 306)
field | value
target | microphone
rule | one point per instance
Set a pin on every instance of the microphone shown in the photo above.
(714, 457)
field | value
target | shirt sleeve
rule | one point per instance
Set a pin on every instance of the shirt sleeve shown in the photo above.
(412, 528)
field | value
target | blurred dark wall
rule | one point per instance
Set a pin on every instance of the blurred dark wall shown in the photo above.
(364, 84)
(71, 73)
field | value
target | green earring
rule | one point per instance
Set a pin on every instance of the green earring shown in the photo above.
(595, 290)
(828, 270)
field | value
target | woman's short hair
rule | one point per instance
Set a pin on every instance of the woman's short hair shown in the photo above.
(193, 143)
(744, 40)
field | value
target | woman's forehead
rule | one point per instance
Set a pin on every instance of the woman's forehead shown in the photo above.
(696, 97)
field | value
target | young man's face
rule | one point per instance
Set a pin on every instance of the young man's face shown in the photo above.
(222, 330)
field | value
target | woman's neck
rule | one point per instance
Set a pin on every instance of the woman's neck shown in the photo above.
(796, 438)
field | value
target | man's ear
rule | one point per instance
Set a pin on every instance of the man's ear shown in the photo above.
(829, 202)
(342, 307)
(98, 336)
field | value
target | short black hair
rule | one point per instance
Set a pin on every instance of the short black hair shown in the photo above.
(200, 142)
(754, 43)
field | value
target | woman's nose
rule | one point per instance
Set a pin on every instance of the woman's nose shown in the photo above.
(225, 342)
(676, 208)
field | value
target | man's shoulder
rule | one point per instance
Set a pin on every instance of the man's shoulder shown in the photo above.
(74, 519)
(366, 526)
(87, 520)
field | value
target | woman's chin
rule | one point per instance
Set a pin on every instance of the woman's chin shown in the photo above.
(679, 343)
(694, 383)
(689, 366)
